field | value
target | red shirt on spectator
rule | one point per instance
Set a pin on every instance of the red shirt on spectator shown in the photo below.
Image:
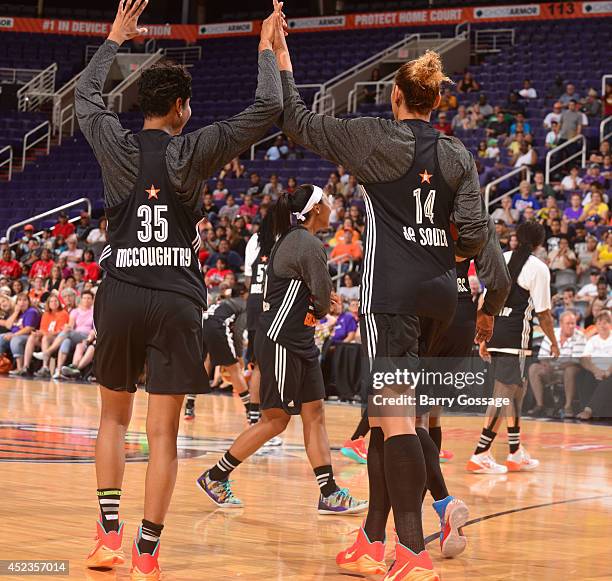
(203, 255)
(64, 230)
(248, 210)
(214, 277)
(41, 268)
(10, 268)
(92, 271)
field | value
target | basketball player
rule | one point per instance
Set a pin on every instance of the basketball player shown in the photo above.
(298, 292)
(149, 307)
(511, 345)
(413, 179)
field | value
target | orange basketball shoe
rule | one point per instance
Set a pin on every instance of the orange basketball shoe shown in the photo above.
(107, 552)
(144, 566)
(363, 556)
(356, 450)
(411, 567)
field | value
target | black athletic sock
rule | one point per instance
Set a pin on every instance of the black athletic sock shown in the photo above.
(380, 505)
(435, 480)
(190, 403)
(514, 438)
(149, 536)
(363, 428)
(325, 478)
(436, 435)
(224, 467)
(108, 499)
(254, 414)
(406, 475)
(486, 440)
(245, 398)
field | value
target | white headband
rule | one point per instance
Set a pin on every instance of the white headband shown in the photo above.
(315, 198)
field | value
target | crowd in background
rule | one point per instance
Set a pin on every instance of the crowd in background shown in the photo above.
(48, 281)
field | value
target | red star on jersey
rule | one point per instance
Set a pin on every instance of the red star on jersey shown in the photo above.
(264, 259)
(153, 193)
(425, 177)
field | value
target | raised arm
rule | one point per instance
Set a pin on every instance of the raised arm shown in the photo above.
(95, 120)
(219, 143)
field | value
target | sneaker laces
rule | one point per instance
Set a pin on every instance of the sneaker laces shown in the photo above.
(227, 488)
(489, 461)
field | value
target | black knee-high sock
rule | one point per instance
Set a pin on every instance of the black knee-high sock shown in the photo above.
(514, 438)
(109, 499)
(149, 536)
(435, 480)
(380, 505)
(406, 476)
(363, 428)
(436, 435)
(486, 440)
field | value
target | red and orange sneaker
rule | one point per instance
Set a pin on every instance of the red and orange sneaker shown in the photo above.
(107, 552)
(363, 556)
(411, 567)
(446, 456)
(145, 566)
(355, 450)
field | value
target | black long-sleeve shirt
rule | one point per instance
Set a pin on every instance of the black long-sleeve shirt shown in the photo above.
(191, 158)
(378, 150)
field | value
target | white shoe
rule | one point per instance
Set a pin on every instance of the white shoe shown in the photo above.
(484, 463)
(276, 441)
(38, 355)
(56, 375)
(521, 460)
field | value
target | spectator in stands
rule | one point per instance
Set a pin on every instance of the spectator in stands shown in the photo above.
(291, 185)
(37, 291)
(369, 91)
(83, 226)
(98, 237)
(482, 149)
(539, 188)
(503, 232)
(32, 252)
(278, 151)
(54, 320)
(344, 251)
(347, 324)
(78, 328)
(17, 287)
(591, 106)
(573, 212)
(461, 121)
(72, 254)
(337, 212)
(597, 156)
(356, 217)
(506, 213)
(528, 92)
(443, 125)
(554, 115)
(544, 213)
(334, 185)
(82, 358)
(23, 321)
(527, 155)
(6, 310)
(596, 209)
(55, 279)
(596, 394)
(220, 192)
(90, 267)
(514, 106)
(9, 266)
(562, 257)
(485, 108)
(498, 127)
(255, 187)
(468, 83)
(475, 117)
(492, 149)
(569, 96)
(592, 176)
(215, 276)
(236, 241)
(589, 291)
(273, 188)
(230, 209)
(233, 170)
(553, 137)
(572, 181)
(566, 301)
(342, 173)
(603, 256)
(232, 259)
(351, 189)
(349, 291)
(293, 151)
(524, 198)
(209, 208)
(63, 228)
(571, 343)
(570, 123)
(520, 123)
(448, 101)
(248, 208)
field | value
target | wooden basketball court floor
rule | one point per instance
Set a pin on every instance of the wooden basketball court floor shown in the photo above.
(552, 524)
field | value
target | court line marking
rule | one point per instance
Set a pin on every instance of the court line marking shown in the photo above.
(434, 536)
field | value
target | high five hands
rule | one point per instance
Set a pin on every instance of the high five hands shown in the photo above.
(273, 28)
(126, 26)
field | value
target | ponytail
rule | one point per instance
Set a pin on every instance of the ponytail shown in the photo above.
(280, 222)
(265, 236)
(530, 235)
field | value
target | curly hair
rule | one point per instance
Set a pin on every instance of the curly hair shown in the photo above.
(160, 86)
